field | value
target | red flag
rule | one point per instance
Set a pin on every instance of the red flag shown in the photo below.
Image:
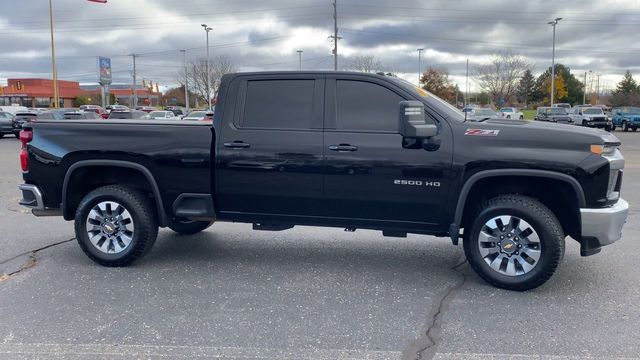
(99, 1)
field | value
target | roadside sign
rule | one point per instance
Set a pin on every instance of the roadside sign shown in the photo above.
(104, 68)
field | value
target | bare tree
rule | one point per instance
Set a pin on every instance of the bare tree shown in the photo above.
(365, 63)
(197, 74)
(500, 77)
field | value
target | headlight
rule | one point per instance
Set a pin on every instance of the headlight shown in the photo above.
(603, 150)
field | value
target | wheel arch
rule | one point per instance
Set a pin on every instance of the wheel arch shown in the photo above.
(465, 199)
(143, 171)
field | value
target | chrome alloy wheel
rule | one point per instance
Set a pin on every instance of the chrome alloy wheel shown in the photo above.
(110, 227)
(509, 245)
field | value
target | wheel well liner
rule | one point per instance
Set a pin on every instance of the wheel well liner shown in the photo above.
(474, 179)
(162, 218)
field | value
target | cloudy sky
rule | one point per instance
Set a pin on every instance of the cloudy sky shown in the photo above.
(264, 35)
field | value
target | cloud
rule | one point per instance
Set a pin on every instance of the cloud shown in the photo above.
(264, 35)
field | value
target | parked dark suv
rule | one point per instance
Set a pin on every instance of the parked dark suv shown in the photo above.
(553, 114)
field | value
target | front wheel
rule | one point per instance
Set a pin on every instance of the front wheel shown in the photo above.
(116, 225)
(521, 117)
(514, 243)
(188, 227)
(634, 129)
(625, 126)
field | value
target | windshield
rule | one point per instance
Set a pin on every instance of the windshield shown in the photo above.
(157, 114)
(557, 111)
(447, 110)
(506, 110)
(196, 114)
(631, 110)
(592, 111)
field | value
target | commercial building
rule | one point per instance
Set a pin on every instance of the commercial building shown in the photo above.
(39, 93)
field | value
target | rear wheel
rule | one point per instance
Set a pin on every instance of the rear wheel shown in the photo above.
(634, 129)
(515, 242)
(116, 225)
(1, 135)
(188, 227)
(521, 117)
(16, 134)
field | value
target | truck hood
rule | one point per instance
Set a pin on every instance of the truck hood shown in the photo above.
(551, 132)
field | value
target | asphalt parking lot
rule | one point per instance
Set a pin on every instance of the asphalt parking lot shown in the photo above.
(231, 292)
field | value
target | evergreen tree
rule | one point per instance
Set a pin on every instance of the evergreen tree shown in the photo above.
(628, 85)
(526, 88)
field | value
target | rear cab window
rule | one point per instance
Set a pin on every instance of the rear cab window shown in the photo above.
(283, 104)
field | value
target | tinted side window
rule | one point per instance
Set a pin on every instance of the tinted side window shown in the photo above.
(366, 106)
(279, 104)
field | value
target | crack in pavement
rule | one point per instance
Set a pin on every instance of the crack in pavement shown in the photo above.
(424, 347)
(31, 261)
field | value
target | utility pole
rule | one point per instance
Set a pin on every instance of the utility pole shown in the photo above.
(207, 29)
(553, 57)
(598, 90)
(466, 90)
(54, 75)
(135, 92)
(335, 36)
(420, 65)
(584, 95)
(186, 80)
(299, 60)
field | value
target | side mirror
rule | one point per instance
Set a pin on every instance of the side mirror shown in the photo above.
(412, 121)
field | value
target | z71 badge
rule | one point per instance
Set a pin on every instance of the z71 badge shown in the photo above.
(481, 132)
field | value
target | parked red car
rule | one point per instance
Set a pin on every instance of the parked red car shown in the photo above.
(96, 109)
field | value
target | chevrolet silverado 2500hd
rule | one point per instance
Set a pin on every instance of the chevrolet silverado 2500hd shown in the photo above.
(338, 149)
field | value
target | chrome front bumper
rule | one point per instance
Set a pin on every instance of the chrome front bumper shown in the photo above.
(605, 224)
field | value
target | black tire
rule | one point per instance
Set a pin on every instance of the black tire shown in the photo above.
(521, 117)
(585, 123)
(625, 127)
(186, 227)
(613, 128)
(541, 219)
(634, 129)
(143, 215)
(607, 128)
(16, 134)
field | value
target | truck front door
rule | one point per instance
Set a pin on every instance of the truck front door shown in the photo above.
(269, 150)
(370, 174)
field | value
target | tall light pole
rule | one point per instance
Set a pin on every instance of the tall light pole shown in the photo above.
(54, 75)
(134, 99)
(420, 64)
(186, 80)
(584, 95)
(299, 60)
(207, 29)
(335, 35)
(553, 57)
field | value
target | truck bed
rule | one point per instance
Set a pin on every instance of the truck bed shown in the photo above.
(177, 154)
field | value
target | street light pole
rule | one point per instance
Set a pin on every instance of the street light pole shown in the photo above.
(207, 29)
(420, 64)
(553, 57)
(299, 60)
(56, 101)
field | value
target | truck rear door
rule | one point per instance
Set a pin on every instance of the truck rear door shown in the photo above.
(269, 150)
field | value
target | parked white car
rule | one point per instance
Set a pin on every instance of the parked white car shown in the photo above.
(510, 113)
(162, 115)
(13, 109)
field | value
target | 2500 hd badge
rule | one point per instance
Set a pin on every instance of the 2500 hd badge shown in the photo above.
(417, 183)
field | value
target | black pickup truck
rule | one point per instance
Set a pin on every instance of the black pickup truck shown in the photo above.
(338, 149)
